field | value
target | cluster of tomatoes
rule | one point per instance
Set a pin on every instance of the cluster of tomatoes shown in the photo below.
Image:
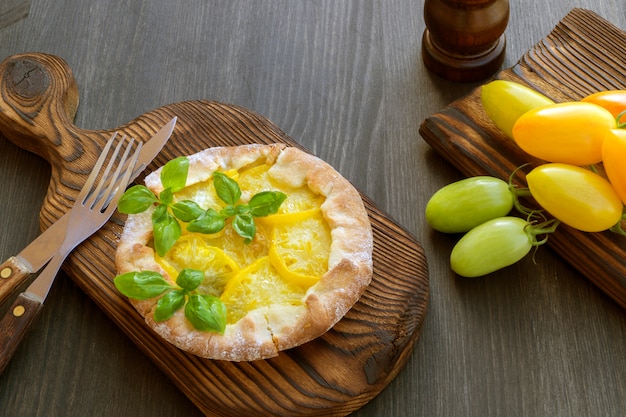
(581, 181)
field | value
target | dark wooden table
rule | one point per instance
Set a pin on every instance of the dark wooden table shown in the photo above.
(344, 79)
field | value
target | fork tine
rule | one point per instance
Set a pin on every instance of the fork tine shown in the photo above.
(96, 169)
(110, 203)
(93, 197)
(87, 220)
(114, 183)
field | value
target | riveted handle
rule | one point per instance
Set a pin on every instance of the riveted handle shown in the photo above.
(15, 324)
(12, 274)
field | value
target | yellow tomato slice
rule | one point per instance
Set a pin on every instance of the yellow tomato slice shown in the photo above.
(167, 267)
(192, 251)
(299, 199)
(203, 193)
(234, 246)
(288, 254)
(255, 286)
(299, 251)
(256, 179)
(289, 218)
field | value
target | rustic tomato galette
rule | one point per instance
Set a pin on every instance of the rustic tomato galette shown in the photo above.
(238, 253)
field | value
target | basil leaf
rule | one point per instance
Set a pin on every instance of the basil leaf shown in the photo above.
(226, 188)
(266, 202)
(189, 279)
(187, 210)
(141, 285)
(243, 224)
(168, 304)
(228, 211)
(241, 209)
(206, 313)
(210, 222)
(166, 197)
(159, 213)
(166, 230)
(174, 174)
(136, 199)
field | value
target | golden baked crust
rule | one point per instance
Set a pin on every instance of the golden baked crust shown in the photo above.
(263, 332)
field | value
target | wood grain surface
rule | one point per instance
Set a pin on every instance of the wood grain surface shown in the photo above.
(345, 79)
(12, 11)
(582, 55)
(330, 376)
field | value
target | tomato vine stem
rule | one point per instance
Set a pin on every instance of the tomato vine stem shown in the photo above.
(617, 228)
(620, 124)
(521, 192)
(545, 228)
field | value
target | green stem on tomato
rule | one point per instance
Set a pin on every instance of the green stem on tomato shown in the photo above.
(618, 119)
(545, 228)
(518, 192)
(521, 192)
(617, 228)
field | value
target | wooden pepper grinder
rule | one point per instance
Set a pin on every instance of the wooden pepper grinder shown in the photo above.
(464, 39)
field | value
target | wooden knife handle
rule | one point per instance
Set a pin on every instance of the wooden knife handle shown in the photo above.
(15, 325)
(12, 274)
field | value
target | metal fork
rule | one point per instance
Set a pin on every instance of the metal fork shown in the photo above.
(93, 207)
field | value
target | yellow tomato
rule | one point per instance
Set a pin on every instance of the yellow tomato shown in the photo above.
(505, 101)
(612, 100)
(570, 133)
(613, 155)
(575, 196)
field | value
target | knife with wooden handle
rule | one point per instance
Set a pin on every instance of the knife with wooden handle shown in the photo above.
(16, 269)
(92, 210)
(31, 259)
(52, 247)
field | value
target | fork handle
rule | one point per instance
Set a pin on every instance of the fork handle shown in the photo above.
(12, 274)
(15, 324)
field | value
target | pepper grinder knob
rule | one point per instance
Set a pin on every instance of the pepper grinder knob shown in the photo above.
(464, 39)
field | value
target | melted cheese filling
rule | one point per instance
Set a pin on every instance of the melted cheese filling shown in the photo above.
(288, 254)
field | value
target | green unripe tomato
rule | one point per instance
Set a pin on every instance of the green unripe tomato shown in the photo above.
(463, 205)
(491, 246)
(505, 101)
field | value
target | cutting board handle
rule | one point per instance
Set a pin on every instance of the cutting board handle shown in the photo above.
(38, 103)
(38, 92)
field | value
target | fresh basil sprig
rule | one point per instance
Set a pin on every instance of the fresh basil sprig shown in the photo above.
(205, 312)
(261, 204)
(139, 198)
(166, 216)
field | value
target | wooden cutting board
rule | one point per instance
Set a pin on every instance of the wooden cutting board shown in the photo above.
(583, 54)
(331, 376)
